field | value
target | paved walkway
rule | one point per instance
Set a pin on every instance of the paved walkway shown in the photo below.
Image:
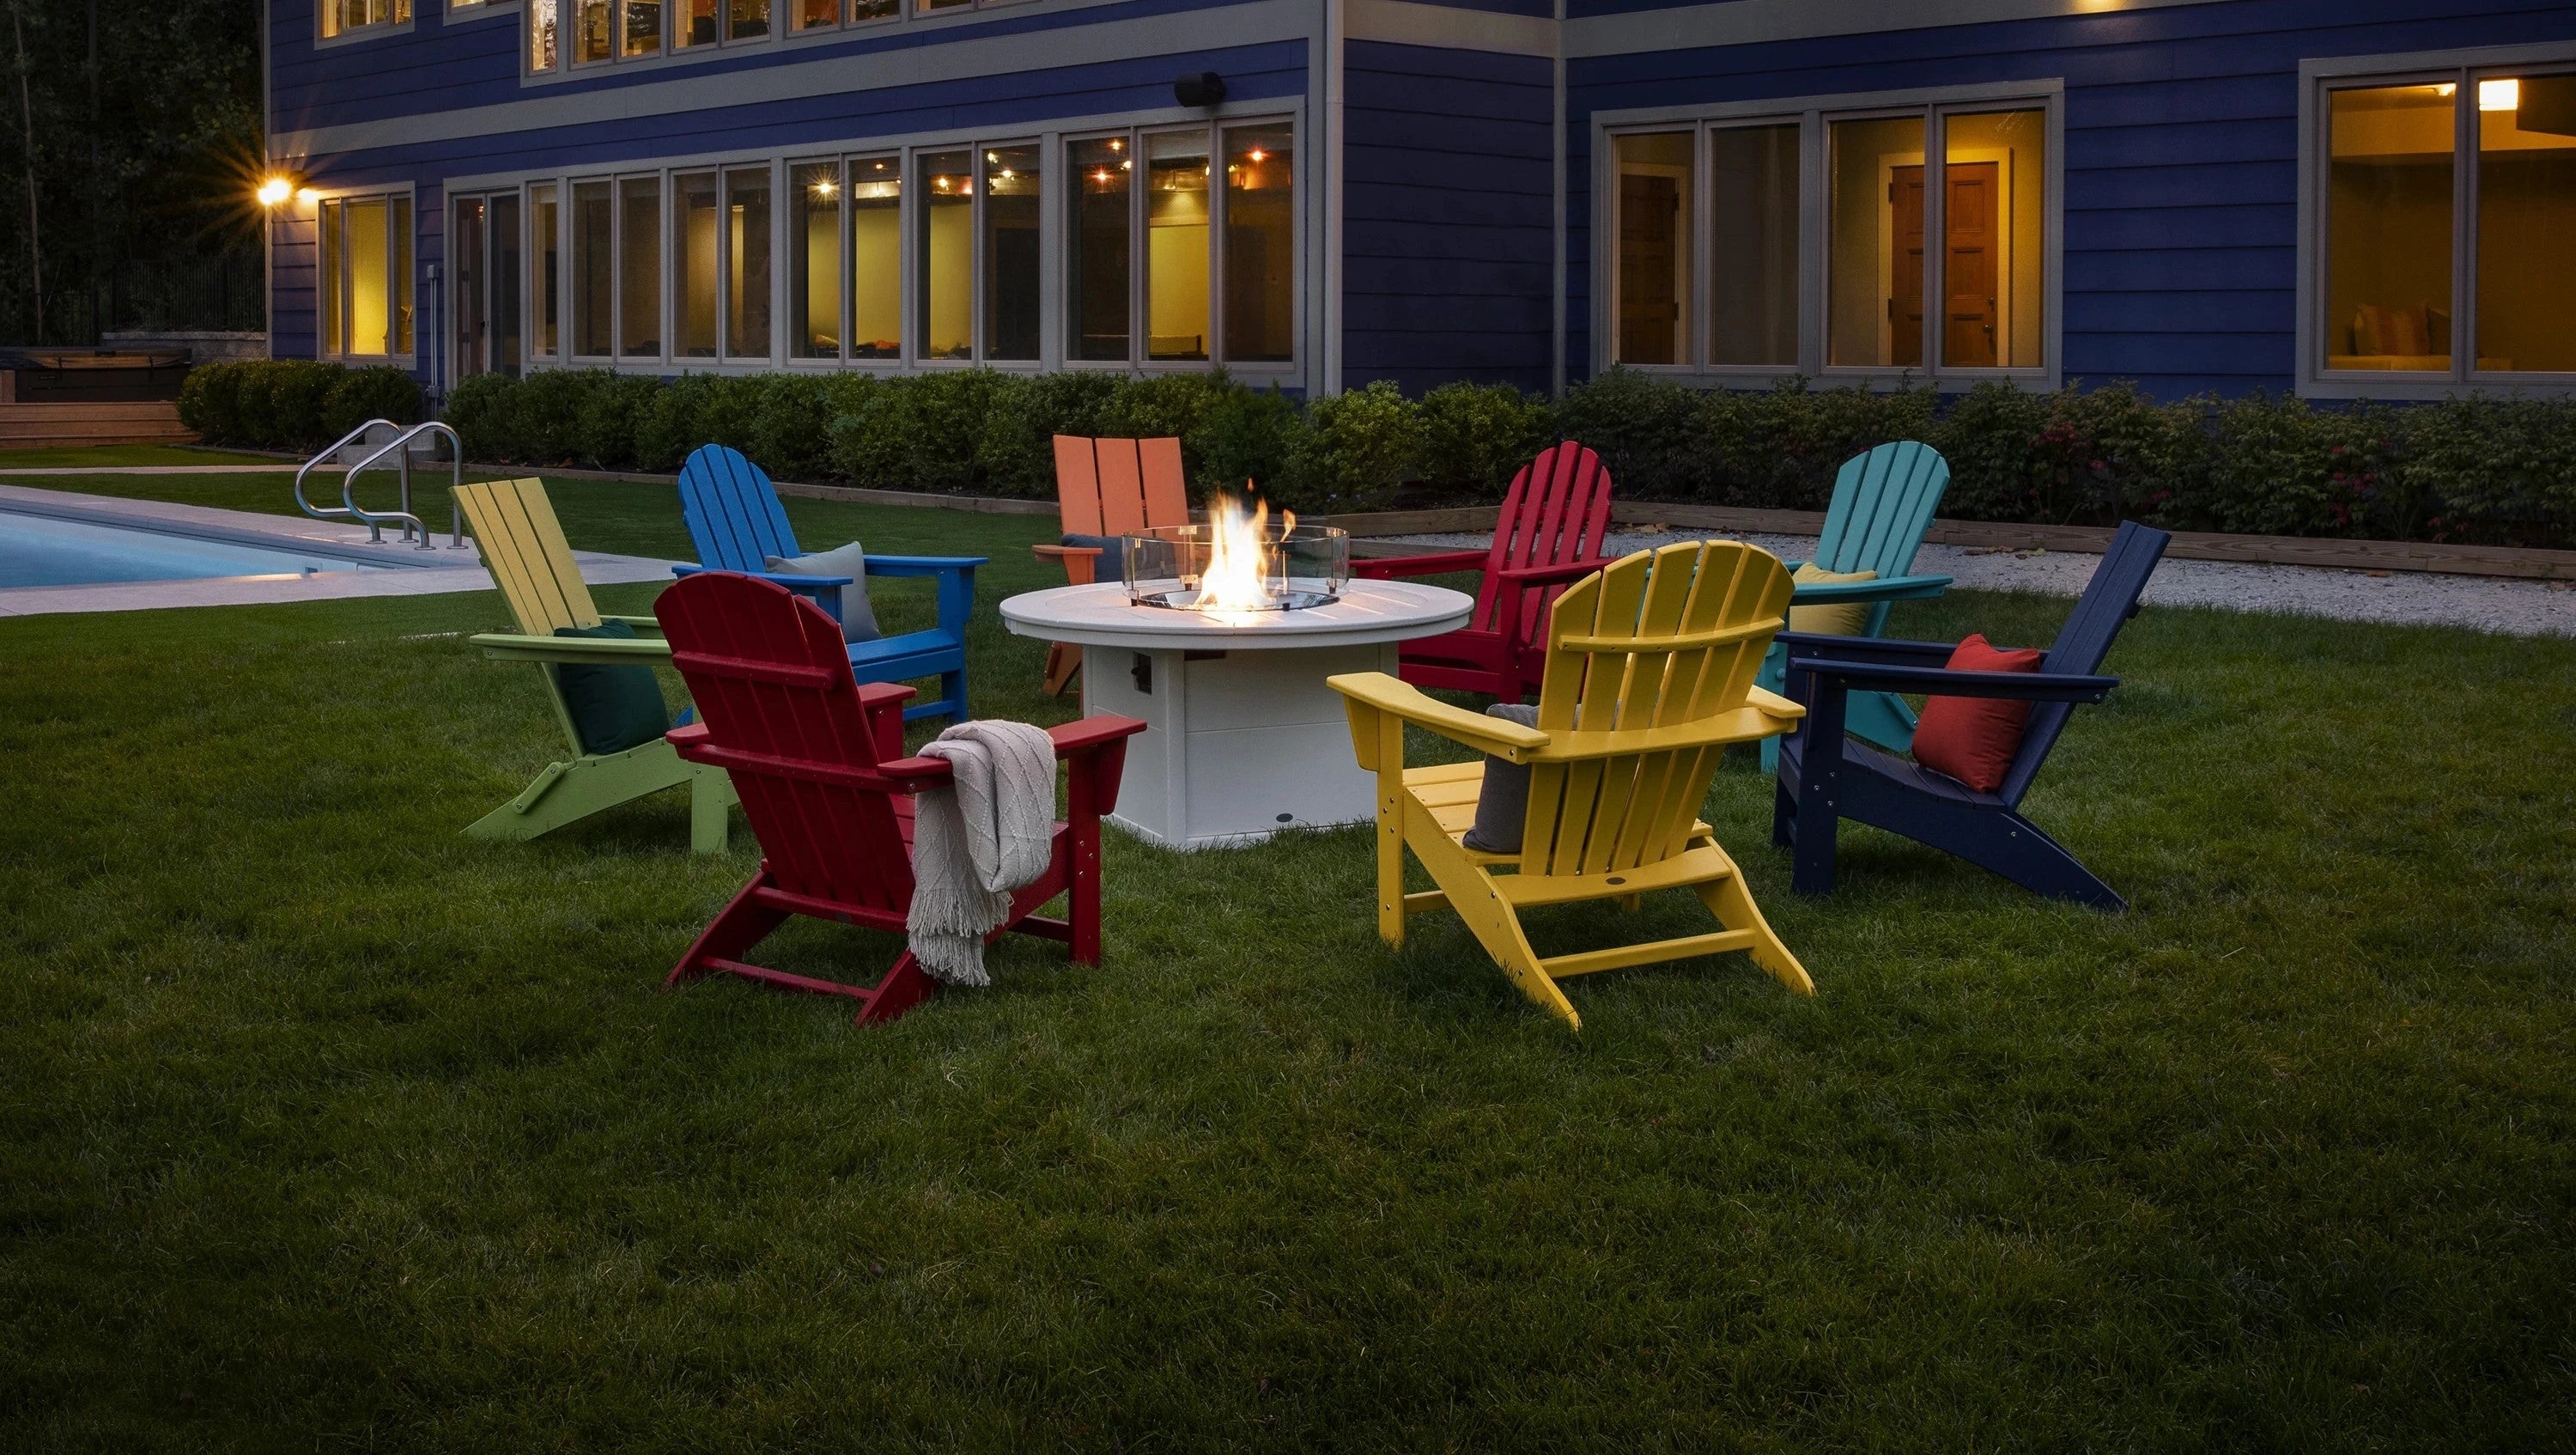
(2486, 603)
(404, 570)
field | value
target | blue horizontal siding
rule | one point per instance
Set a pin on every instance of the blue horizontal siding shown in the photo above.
(2181, 152)
(1448, 232)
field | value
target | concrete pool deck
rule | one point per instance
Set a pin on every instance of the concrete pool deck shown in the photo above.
(407, 570)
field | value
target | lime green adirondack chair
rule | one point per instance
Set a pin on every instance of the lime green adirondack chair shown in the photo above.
(523, 546)
(1882, 505)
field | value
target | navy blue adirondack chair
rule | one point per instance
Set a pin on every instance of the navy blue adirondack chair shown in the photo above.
(1882, 504)
(737, 523)
(1826, 776)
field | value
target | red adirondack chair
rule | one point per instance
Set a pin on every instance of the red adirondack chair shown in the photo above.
(1549, 536)
(818, 762)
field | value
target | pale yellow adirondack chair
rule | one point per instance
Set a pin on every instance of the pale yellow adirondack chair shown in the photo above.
(523, 546)
(1649, 676)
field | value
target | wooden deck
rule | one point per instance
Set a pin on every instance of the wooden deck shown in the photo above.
(39, 426)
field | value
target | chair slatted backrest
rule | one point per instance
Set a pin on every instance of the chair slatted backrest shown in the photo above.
(2109, 600)
(734, 515)
(523, 546)
(1883, 503)
(1557, 510)
(801, 740)
(1111, 487)
(1659, 639)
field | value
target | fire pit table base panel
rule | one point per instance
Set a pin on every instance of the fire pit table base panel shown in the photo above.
(1239, 745)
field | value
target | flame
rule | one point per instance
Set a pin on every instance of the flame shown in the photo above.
(1242, 556)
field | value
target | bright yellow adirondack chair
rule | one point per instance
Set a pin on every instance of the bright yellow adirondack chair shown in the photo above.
(523, 546)
(1649, 676)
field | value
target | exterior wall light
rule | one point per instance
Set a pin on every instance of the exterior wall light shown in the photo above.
(278, 187)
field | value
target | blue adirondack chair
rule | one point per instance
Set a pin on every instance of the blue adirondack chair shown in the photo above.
(737, 523)
(1883, 502)
(1825, 776)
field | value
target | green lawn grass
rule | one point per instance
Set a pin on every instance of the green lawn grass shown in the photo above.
(326, 1127)
(71, 457)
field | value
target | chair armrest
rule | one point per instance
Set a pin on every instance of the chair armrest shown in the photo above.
(603, 651)
(1081, 563)
(1560, 571)
(1365, 691)
(1765, 717)
(922, 565)
(1435, 563)
(1054, 552)
(2016, 686)
(1893, 588)
(1077, 739)
(1864, 649)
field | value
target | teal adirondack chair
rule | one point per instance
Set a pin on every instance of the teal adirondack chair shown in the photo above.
(1883, 503)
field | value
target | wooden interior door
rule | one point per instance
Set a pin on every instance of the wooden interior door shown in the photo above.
(1969, 265)
(1905, 267)
(1649, 252)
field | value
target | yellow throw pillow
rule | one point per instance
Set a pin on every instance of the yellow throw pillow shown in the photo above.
(1841, 618)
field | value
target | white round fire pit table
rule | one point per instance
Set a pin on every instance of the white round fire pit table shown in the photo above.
(1242, 737)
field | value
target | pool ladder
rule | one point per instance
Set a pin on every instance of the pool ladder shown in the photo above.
(399, 445)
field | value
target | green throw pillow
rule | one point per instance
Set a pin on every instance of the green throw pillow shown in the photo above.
(613, 707)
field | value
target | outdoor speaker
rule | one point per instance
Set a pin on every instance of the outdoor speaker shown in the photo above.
(1206, 88)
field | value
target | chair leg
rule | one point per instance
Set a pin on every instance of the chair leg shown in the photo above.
(1488, 918)
(2014, 847)
(1063, 661)
(905, 986)
(1733, 905)
(711, 801)
(569, 792)
(1390, 828)
(744, 923)
(1816, 823)
(1784, 815)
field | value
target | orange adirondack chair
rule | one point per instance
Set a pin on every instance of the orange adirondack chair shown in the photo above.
(818, 761)
(1108, 487)
(1553, 524)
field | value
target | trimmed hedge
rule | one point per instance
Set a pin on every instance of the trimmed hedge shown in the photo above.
(291, 404)
(2496, 471)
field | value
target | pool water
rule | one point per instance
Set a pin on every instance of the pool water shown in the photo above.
(43, 550)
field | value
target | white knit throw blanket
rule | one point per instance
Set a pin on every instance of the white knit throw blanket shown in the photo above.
(975, 839)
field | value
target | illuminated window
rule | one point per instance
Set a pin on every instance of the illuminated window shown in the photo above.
(1178, 224)
(366, 277)
(1011, 264)
(1653, 262)
(1260, 245)
(2396, 294)
(814, 14)
(591, 40)
(639, 30)
(876, 258)
(545, 263)
(1934, 263)
(693, 264)
(814, 198)
(343, 17)
(639, 267)
(746, 19)
(1102, 265)
(544, 52)
(594, 269)
(747, 263)
(693, 23)
(948, 255)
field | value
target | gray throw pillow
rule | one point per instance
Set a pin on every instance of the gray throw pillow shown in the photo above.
(858, 618)
(1502, 805)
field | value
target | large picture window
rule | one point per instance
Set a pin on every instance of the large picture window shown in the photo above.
(344, 17)
(2444, 202)
(1902, 240)
(1141, 249)
(366, 302)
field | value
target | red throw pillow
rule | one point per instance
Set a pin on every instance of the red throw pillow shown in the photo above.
(1973, 739)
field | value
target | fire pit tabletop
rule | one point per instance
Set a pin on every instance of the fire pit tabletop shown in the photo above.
(1100, 615)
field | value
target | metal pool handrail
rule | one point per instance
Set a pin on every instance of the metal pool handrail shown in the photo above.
(399, 446)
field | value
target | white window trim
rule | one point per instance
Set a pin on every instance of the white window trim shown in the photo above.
(909, 15)
(409, 193)
(1811, 114)
(360, 35)
(466, 12)
(906, 151)
(2316, 78)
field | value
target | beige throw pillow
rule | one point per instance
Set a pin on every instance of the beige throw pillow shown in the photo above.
(1837, 619)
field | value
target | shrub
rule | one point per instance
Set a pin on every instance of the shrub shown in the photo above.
(669, 429)
(480, 410)
(1649, 432)
(1017, 447)
(359, 395)
(210, 402)
(1360, 445)
(789, 430)
(1251, 438)
(1476, 437)
(611, 427)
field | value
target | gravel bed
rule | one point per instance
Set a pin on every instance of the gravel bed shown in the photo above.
(2485, 603)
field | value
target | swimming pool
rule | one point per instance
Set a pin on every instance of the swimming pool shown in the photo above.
(51, 550)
